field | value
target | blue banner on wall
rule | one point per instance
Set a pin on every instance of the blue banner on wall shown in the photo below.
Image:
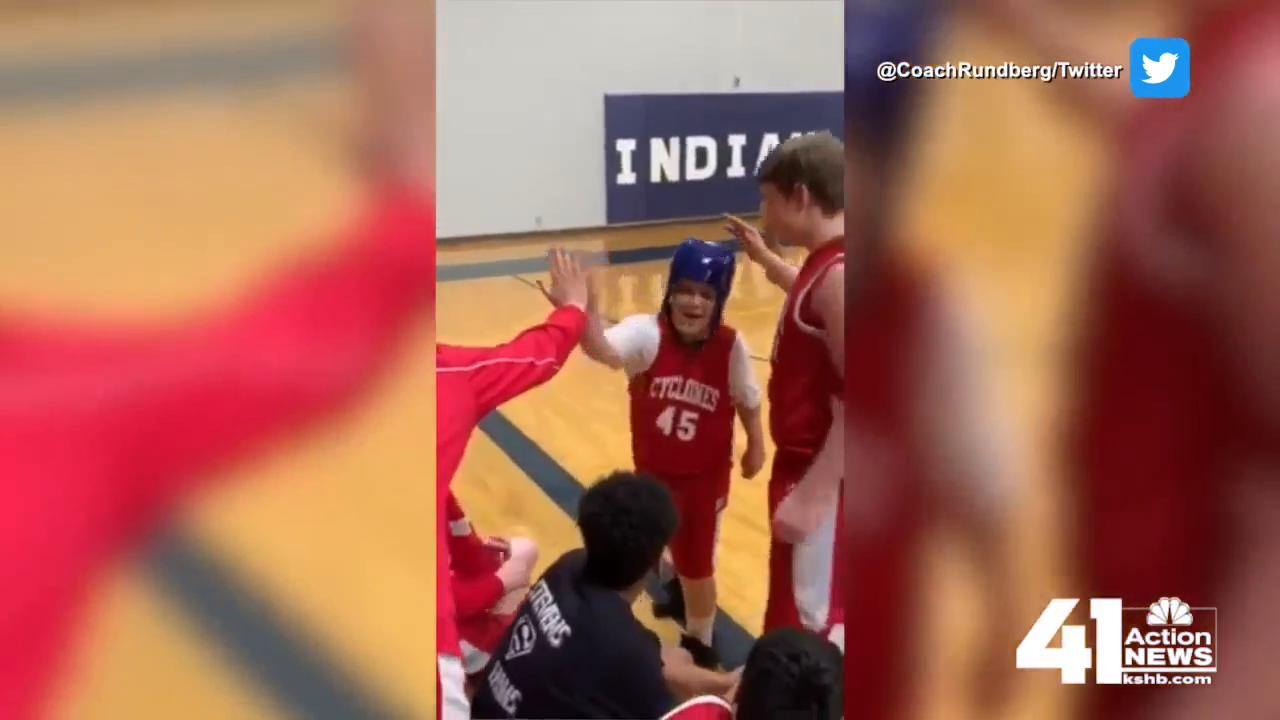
(684, 156)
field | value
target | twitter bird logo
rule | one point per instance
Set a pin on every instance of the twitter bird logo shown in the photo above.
(1159, 70)
(1168, 76)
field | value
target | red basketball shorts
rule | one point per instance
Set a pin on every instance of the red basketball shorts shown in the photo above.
(480, 637)
(699, 501)
(803, 588)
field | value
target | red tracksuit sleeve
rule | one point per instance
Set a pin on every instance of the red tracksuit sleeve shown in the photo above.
(297, 350)
(473, 566)
(103, 429)
(501, 373)
(176, 403)
(468, 553)
(474, 596)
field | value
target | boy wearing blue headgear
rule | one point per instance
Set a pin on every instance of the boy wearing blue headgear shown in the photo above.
(689, 374)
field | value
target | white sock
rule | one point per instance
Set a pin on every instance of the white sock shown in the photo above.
(701, 628)
(666, 571)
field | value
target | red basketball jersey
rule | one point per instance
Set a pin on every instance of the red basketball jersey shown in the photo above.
(707, 707)
(681, 408)
(803, 378)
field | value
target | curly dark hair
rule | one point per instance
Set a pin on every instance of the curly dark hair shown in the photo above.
(626, 520)
(792, 674)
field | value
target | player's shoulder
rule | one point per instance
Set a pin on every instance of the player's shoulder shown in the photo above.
(641, 320)
(817, 268)
(641, 325)
(830, 266)
(707, 707)
(643, 331)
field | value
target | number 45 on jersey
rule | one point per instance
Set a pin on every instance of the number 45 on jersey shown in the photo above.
(683, 422)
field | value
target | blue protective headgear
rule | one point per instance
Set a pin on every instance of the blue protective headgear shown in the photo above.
(703, 262)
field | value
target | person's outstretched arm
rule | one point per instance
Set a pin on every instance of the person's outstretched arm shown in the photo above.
(301, 347)
(103, 431)
(777, 270)
(498, 374)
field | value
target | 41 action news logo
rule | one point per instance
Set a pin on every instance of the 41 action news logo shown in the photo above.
(1167, 642)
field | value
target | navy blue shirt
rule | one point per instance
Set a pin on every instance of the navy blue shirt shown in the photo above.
(574, 650)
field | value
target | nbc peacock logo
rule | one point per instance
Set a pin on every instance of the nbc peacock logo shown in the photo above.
(1169, 611)
(1170, 636)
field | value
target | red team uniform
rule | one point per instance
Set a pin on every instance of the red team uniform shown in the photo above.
(471, 383)
(477, 589)
(682, 434)
(804, 590)
(683, 401)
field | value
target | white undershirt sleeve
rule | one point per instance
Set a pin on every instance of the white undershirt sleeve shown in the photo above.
(636, 341)
(743, 386)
